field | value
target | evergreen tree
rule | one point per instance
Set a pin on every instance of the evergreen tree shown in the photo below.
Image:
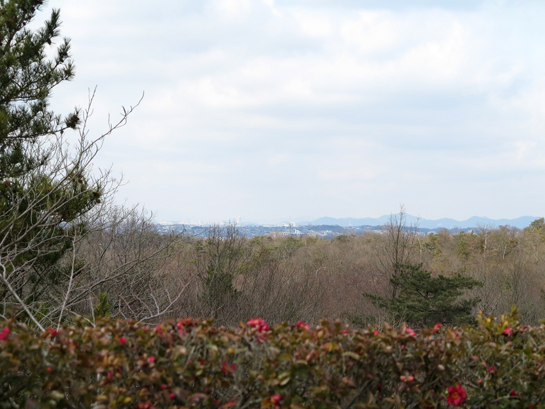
(27, 78)
(45, 189)
(424, 300)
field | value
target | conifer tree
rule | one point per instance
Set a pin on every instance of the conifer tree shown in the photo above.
(424, 300)
(45, 188)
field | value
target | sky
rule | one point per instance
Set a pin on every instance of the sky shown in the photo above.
(277, 110)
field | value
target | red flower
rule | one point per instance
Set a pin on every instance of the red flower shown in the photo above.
(436, 327)
(122, 340)
(301, 324)
(110, 375)
(4, 334)
(151, 359)
(411, 332)
(491, 369)
(508, 331)
(226, 369)
(513, 393)
(258, 324)
(159, 329)
(376, 332)
(52, 331)
(456, 395)
(276, 399)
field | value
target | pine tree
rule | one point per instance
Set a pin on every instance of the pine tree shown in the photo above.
(45, 189)
(27, 78)
(424, 300)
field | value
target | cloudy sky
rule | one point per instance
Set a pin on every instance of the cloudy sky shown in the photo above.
(276, 109)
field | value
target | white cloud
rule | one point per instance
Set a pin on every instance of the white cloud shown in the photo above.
(272, 99)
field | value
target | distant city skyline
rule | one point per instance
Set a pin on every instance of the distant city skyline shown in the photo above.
(267, 109)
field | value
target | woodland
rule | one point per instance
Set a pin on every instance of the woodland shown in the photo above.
(99, 310)
(67, 249)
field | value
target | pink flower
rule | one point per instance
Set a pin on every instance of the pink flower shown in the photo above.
(491, 369)
(151, 359)
(4, 334)
(437, 327)
(301, 324)
(508, 331)
(456, 395)
(258, 324)
(345, 331)
(159, 329)
(376, 332)
(411, 332)
(276, 399)
(122, 340)
(110, 375)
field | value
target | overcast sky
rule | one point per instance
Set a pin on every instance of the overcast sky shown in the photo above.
(277, 109)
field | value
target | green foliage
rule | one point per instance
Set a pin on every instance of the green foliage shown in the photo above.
(187, 363)
(102, 308)
(537, 224)
(424, 300)
(44, 191)
(27, 77)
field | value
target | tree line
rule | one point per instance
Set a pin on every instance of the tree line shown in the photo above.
(67, 249)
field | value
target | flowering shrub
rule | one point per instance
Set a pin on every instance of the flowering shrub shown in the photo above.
(194, 364)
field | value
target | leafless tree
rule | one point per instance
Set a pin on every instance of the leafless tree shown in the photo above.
(60, 204)
(396, 248)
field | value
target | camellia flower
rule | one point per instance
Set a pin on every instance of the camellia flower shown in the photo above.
(508, 331)
(52, 331)
(456, 395)
(275, 400)
(301, 324)
(228, 369)
(4, 334)
(258, 324)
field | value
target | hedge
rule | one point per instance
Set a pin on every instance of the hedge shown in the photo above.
(194, 364)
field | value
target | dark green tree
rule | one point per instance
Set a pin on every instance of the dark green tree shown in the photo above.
(27, 78)
(47, 193)
(424, 300)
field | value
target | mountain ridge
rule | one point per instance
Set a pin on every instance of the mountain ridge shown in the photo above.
(447, 223)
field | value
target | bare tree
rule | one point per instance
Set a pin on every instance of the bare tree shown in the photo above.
(396, 248)
(57, 206)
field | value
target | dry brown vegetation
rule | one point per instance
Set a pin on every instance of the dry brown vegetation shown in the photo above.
(234, 278)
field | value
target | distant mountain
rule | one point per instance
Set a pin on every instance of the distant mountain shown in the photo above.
(446, 223)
